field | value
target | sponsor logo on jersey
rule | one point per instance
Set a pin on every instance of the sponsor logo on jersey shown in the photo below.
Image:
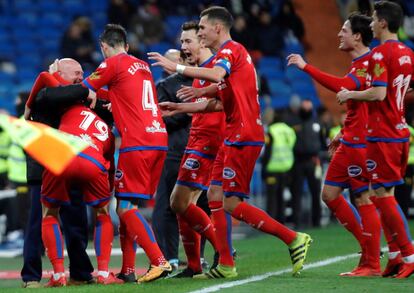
(94, 76)
(365, 63)
(228, 173)
(377, 56)
(86, 138)
(156, 127)
(371, 165)
(354, 170)
(119, 174)
(191, 164)
(102, 65)
(404, 60)
(226, 51)
(361, 72)
(378, 70)
(401, 126)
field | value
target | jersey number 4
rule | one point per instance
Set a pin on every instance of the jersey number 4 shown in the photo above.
(148, 101)
(401, 83)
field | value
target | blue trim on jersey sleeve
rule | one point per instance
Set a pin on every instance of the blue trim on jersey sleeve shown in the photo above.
(216, 182)
(93, 160)
(98, 201)
(379, 83)
(192, 184)
(353, 145)
(207, 61)
(234, 193)
(387, 184)
(225, 43)
(356, 80)
(386, 139)
(225, 67)
(88, 85)
(243, 143)
(200, 154)
(134, 195)
(143, 148)
(337, 184)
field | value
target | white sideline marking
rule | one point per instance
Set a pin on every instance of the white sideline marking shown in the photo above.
(256, 278)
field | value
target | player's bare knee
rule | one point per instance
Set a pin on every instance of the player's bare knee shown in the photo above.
(327, 196)
(215, 193)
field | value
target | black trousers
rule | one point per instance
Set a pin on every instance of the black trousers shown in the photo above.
(275, 204)
(75, 229)
(164, 220)
(403, 191)
(305, 169)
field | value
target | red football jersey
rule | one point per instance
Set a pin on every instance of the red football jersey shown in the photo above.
(239, 95)
(355, 125)
(391, 65)
(134, 101)
(81, 121)
(210, 126)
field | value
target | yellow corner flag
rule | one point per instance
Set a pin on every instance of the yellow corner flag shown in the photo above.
(52, 148)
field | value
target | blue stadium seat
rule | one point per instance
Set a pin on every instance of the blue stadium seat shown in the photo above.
(50, 6)
(156, 73)
(279, 102)
(279, 87)
(25, 5)
(293, 74)
(7, 51)
(161, 47)
(272, 62)
(54, 19)
(172, 26)
(272, 72)
(294, 47)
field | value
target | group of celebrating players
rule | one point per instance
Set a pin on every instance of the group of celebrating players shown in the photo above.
(225, 141)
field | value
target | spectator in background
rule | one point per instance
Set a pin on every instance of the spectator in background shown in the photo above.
(4, 152)
(307, 164)
(178, 126)
(269, 37)
(175, 56)
(78, 43)
(277, 162)
(120, 11)
(147, 23)
(241, 32)
(289, 21)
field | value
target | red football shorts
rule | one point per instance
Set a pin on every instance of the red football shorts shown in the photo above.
(138, 173)
(238, 167)
(386, 163)
(347, 169)
(216, 175)
(84, 173)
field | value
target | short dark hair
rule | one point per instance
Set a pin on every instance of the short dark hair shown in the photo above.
(114, 35)
(360, 25)
(219, 13)
(390, 12)
(190, 25)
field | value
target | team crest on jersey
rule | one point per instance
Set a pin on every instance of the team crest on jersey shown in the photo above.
(94, 76)
(354, 170)
(377, 56)
(202, 82)
(228, 173)
(156, 127)
(378, 70)
(119, 174)
(361, 72)
(191, 164)
(371, 165)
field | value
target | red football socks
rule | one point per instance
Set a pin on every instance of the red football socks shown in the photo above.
(371, 227)
(346, 216)
(200, 222)
(53, 242)
(222, 225)
(393, 219)
(103, 236)
(191, 242)
(128, 250)
(139, 230)
(260, 220)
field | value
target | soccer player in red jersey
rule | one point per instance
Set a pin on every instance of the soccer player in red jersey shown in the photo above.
(132, 94)
(244, 136)
(390, 71)
(206, 137)
(347, 167)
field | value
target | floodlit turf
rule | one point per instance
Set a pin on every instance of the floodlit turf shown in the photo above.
(258, 256)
